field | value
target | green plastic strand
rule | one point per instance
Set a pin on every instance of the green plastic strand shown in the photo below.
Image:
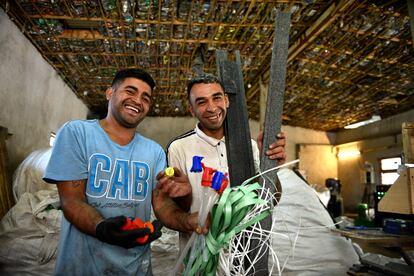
(227, 214)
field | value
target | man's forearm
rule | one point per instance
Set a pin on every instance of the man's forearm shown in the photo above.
(172, 215)
(83, 216)
(75, 208)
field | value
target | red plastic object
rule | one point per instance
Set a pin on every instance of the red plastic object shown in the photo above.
(207, 176)
(224, 183)
(136, 224)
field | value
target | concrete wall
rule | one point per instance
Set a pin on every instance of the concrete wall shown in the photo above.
(34, 99)
(351, 170)
(164, 129)
(317, 163)
(313, 148)
(378, 140)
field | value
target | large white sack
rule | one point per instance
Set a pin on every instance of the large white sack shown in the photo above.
(29, 234)
(28, 175)
(309, 247)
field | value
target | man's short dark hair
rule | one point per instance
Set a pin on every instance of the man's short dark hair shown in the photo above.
(203, 78)
(133, 73)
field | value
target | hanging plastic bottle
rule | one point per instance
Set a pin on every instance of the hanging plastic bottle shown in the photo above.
(183, 9)
(108, 5)
(126, 11)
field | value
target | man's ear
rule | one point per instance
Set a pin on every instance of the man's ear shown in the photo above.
(191, 110)
(226, 97)
(109, 91)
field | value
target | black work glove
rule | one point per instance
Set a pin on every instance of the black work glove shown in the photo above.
(110, 231)
(157, 231)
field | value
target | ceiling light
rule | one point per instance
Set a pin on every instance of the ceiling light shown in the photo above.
(348, 153)
(363, 123)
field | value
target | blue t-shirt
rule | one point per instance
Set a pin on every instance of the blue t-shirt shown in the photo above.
(120, 181)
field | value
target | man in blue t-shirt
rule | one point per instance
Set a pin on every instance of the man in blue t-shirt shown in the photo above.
(106, 172)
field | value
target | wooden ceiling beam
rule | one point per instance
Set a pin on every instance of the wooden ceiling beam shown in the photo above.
(324, 21)
(95, 35)
(148, 21)
(382, 37)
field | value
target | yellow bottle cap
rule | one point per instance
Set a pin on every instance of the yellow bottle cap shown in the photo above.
(169, 171)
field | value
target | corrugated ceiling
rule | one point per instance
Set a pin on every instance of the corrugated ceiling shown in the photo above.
(348, 60)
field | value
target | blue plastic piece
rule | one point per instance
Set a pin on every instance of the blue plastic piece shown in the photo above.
(197, 167)
(398, 226)
(217, 180)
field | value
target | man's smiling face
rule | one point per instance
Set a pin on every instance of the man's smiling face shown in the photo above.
(209, 104)
(129, 102)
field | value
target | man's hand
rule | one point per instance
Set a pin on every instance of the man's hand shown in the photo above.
(175, 217)
(174, 186)
(110, 231)
(276, 150)
(192, 221)
(157, 231)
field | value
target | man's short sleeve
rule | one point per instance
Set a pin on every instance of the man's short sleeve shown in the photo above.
(67, 161)
(160, 165)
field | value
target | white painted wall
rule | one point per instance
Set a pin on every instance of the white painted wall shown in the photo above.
(34, 99)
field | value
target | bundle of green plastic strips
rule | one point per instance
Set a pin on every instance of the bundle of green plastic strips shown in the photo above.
(235, 221)
(228, 219)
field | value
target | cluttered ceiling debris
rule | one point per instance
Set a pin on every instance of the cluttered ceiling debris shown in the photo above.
(347, 61)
